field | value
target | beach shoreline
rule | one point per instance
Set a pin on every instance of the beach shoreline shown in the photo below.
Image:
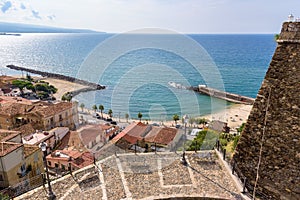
(235, 115)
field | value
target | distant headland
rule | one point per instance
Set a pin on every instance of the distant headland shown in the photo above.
(6, 27)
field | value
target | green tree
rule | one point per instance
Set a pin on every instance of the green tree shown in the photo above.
(4, 197)
(82, 106)
(95, 108)
(29, 78)
(235, 141)
(21, 84)
(140, 115)
(200, 120)
(175, 118)
(127, 116)
(110, 113)
(67, 97)
(204, 140)
(101, 108)
(240, 129)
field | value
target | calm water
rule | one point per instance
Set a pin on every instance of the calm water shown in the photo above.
(137, 69)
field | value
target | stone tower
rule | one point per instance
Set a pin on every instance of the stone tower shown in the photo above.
(268, 153)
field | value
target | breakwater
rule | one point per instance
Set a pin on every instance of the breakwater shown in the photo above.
(234, 98)
(92, 86)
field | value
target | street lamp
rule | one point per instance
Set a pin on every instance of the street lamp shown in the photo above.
(43, 146)
(185, 118)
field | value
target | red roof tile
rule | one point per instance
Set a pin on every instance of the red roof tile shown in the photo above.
(165, 136)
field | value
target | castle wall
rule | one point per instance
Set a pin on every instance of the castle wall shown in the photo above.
(279, 135)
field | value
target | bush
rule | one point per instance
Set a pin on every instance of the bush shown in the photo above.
(204, 140)
(235, 141)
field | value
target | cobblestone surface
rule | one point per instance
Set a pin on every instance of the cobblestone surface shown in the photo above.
(146, 176)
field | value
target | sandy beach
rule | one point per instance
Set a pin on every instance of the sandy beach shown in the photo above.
(63, 86)
(234, 115)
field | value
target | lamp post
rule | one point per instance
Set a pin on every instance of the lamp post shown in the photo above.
(185, 118)
(51, 195)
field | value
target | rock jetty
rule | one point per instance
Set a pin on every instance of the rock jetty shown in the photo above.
(92, 86)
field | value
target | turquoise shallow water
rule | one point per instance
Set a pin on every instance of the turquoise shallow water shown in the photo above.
(136, 69)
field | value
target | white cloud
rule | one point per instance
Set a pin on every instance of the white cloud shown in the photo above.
(21, 11)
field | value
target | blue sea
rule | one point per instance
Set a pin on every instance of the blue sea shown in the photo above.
(138, 68)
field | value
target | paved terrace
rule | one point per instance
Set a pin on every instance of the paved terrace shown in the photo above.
(146, 176)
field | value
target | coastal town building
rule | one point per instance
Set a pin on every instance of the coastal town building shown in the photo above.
(17, 111)
(52, 137)
(147, 136)
(100, 134)
(61, 161)
(18, 162)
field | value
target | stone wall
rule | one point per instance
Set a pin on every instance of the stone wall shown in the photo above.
(272, 132)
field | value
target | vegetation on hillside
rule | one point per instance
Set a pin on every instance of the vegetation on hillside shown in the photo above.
(42, 89)
(205, 140)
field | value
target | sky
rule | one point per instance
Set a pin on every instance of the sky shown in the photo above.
(183, 16)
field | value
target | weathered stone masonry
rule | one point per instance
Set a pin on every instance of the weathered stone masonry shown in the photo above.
(279, 171)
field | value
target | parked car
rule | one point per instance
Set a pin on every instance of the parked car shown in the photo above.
(109, 119)
(113, 122)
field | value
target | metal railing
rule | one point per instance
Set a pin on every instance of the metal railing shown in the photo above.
(248, 188)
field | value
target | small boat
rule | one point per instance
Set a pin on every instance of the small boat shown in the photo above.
(176, 85)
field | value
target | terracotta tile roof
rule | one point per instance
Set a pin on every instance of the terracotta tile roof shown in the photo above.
(78, 160)
(26, 129)
(86, 159)
(50, 109)
(30, 149)
(139, 131)
(165, 136)
(12, 109)
(6, 135)
(132, 133)
(20, 100)
(7, 147)
(89, 133)
(13, 106)
(72, 141)
(73, 154)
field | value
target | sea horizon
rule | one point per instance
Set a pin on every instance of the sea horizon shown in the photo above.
(241, 59)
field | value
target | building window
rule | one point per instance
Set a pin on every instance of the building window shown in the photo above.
(60, 117)
(56, 165)
(49, 163)
(63, 167)
(1, 177)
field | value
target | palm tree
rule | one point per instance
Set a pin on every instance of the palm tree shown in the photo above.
(127, 116)
(82, 106)
(110, 112)
(140, 115)
(101, 108)
(175, 118)
(95, 108)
